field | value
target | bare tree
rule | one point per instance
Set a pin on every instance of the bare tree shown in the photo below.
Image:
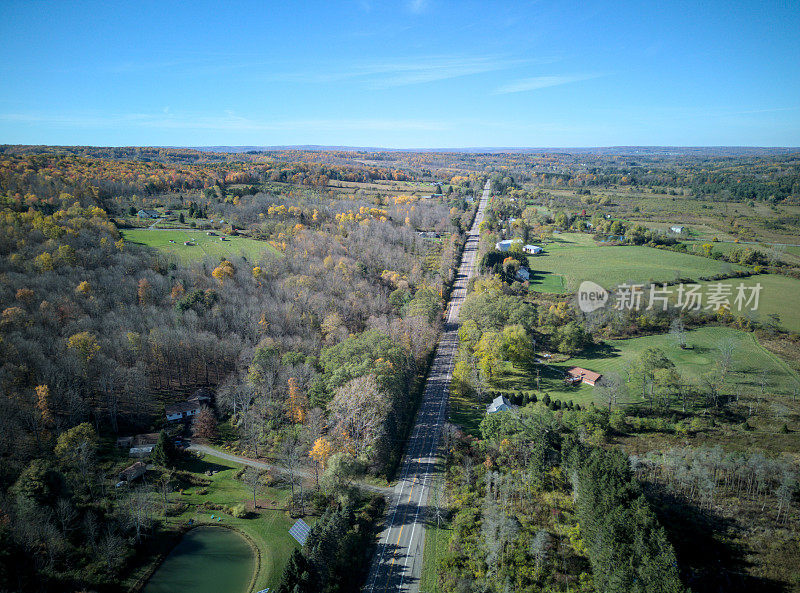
(726, 349)
(164, 485)
(66, 515)
(677, 330)
(290, 458)
(112, 551)
(253, 478)
(611, 389)
(358, 409)
(137, 511)
(540, 547)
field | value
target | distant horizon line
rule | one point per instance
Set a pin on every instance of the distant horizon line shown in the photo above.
(236, 148)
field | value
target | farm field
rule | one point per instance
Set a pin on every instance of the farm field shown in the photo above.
(576, 257)
(692, 232)
(750, 359)
(788, 253)
(780, 295)
(206, 246)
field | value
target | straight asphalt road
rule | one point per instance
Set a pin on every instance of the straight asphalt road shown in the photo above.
(397, 564)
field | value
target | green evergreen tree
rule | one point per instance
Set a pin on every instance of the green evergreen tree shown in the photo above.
(164, 452)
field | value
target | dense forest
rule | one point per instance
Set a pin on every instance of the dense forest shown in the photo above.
(99, 334)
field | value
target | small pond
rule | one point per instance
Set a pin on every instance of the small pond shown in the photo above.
(206, 560)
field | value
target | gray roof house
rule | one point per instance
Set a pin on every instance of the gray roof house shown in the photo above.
(506, 244)
(148, 214)
(132, 472)
(499, 404)
(523, 275)
(182, 410)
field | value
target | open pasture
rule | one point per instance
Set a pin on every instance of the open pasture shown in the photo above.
(576, 257)
(780, 295)
(172, 242)
(614, 356)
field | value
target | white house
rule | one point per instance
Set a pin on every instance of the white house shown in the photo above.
(523, 275)
(505, 244)
(182, 411)
(148, 214)
(677, 229)
(499, 404)
(533, 249)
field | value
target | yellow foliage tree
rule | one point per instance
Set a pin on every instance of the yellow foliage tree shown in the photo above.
(224, 270)
(84, 288)
(84, 344)
(43, 403)
(321, 451)
(297, 407)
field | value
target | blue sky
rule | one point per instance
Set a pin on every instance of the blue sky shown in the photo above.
(411, 73)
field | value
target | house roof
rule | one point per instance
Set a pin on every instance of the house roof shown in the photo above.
(181, 407)
(153, 213)
(201, 394)
(578, 372)
(498, 403)
(133, 471)
(144, 439)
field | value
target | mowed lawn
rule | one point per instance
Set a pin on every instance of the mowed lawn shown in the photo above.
(268, 530)
(206, 245)
(576, 257)
(614, 355)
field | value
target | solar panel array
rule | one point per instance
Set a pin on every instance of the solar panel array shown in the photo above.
(300, 531)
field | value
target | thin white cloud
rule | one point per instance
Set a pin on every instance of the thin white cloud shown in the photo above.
(418, 6)
(541, 82)
(402, 72)
(230, 122)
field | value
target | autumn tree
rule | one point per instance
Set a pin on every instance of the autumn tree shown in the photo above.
(76, 448)
(297, 402)
(143, 291)
(357, 409)
(224, 270)
(321, 452)
(84, 289)
(205, 425)
(43, 404)
(84, 344)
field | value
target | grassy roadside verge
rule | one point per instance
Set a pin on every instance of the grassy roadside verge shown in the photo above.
(437, 536)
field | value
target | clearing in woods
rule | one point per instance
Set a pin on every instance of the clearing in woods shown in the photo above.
(205, 245)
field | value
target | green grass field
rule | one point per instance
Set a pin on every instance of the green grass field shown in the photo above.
(269, 530)
(206, 246)
(576, 257)
(750, 359)
(779, 295)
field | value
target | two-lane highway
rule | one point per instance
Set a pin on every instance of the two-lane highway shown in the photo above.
(398, 560)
